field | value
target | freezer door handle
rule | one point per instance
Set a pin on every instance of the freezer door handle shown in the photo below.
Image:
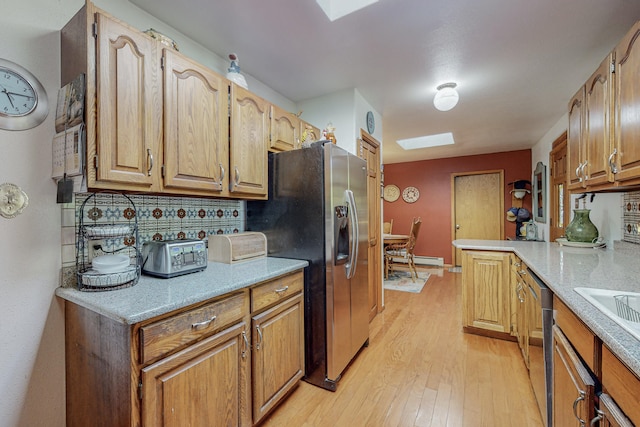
(354, 234)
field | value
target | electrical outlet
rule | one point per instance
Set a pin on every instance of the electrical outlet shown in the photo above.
(95, 248)
(576, 204)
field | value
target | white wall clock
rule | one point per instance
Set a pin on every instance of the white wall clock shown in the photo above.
(391, 193)
(410, 194)
(371, 122)
(23, 100)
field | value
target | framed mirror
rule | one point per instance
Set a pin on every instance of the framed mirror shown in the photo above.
(540, 193)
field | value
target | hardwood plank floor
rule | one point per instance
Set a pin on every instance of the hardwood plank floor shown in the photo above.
(420, 369)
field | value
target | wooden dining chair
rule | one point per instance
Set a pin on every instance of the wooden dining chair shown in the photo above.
(403, 250)
(387, 227)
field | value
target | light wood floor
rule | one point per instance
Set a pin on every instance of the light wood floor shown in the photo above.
(420, 369)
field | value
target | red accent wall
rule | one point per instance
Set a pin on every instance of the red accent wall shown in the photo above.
(433, 179)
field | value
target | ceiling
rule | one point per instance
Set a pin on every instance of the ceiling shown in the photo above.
(516, 62)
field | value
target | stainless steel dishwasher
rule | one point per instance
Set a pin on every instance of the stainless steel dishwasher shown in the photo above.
(541, 351)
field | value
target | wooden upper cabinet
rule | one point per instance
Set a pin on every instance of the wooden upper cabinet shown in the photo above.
(575, 141)
(128, 109)
(598, 93)
(627, 107)
(248, 174)
(196, 127)
(309, 133)
(285, 130)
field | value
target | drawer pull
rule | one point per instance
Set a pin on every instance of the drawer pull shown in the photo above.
(203, 324)
(281, 290)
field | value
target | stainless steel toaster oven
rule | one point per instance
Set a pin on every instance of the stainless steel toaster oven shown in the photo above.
(172, 258)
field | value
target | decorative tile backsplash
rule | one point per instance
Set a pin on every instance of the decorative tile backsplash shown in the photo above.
(631, 217)
(156, 217)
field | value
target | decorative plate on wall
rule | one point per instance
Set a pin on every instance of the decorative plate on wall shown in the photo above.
(410, 194)
(391, 193)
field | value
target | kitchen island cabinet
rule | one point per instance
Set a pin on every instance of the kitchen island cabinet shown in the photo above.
(600, 346)
(169, 355)
(486, 292)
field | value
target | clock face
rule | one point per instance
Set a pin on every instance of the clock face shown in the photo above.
(23, 100)
(371, 123)
(17, 96)
(391, 193)
(410, 194)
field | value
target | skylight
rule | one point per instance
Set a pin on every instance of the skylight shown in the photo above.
(335, 9)
(427, 141)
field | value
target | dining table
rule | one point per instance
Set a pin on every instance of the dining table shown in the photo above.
(395, 238)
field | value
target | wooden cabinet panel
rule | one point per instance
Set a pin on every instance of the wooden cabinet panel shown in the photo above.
(573, 386)
(128, 108)
(584, 341)
(285, 130)
(627, 107)
(575, 140)
(598, 104)
(203, 385)
(166, 335)
(485, 291)
(276, 290)
(278, 354)
(196, 127)
(609, 414)
(621, 384)
(249, 142)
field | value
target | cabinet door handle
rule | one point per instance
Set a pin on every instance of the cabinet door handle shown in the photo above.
(612, 165)
(247, 346)
(575, 408)
(237, 179)
(222, 171)
(583, 168)
(598, 417)
(149, 161)
(578, 172)
(281, 290)
(259, 343)
(203, 324)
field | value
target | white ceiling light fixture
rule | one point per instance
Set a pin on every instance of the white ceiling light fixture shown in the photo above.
(447, 97)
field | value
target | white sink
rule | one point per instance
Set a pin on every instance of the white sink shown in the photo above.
(625, 312)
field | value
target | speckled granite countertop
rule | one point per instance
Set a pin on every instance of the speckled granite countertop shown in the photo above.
(152, 296)
(563, 268)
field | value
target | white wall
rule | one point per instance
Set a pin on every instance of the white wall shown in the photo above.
(346, 110)
(606, 209)
(31, 321)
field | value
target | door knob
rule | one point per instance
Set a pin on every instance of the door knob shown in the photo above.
(457, 226)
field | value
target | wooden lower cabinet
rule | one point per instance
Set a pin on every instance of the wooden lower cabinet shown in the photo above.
(278, 354)
(623, 388)
(486, 286)
(204, 385)
(223, 362)
(573, 385)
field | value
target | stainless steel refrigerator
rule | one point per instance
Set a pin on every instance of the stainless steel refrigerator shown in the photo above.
(317, 211)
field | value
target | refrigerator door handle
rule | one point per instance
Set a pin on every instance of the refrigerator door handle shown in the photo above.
(354, 234)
